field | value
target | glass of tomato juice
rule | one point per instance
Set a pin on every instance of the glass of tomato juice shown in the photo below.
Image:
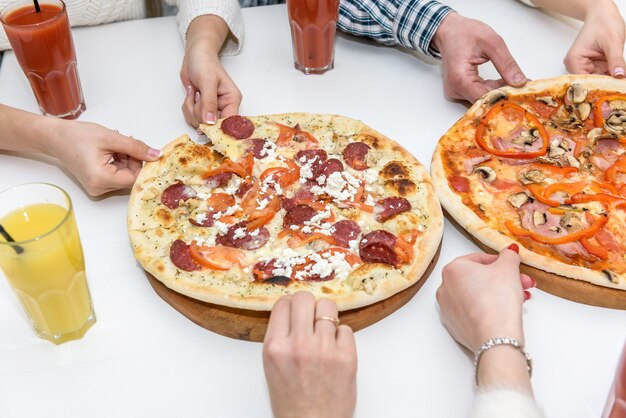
(43, 45)
(313, 24)
(44, 263)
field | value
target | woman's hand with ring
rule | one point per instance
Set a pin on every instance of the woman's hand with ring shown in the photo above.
(309, 359)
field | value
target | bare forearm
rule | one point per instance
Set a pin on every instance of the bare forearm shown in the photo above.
(577, 9)
(25, 131)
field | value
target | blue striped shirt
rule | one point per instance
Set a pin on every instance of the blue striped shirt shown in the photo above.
(410, 23)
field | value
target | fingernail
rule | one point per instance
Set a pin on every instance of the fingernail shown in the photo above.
(189, 91)
(618, 72)
(514, 247)
(534, 282)
(519, 79)
(196, 99)
(155, 153)
(209, 118)
(526, 295)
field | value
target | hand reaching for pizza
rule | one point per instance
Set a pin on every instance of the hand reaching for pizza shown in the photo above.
(101, 159)
(599, 47)
(210, 93)
(310, 363)
(465, 44)
(481, 297)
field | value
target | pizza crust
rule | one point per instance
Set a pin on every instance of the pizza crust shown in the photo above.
(492, 238)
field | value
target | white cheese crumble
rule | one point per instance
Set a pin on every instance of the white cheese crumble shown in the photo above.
(269, 150)
(200, 217)
(370, 175)
(239, 233)
(221, 227)
(262, 204)
(340, 186)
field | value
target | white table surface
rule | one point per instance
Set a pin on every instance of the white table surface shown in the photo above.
(142, 358)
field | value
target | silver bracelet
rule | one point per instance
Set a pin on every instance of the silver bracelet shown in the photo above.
(500, 341)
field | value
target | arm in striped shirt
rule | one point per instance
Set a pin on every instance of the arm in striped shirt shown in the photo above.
(411, 24)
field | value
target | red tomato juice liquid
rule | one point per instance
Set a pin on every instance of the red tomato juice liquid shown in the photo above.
(42, 43)
(313, 24)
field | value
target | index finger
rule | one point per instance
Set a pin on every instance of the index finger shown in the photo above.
(280, 319)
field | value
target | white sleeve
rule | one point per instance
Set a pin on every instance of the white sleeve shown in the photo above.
(504, 403)
(528, 3)
(228, 10)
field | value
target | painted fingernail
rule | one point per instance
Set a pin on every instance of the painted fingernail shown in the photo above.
(618, 72)
(526, 295)
(209, 118)
(196, 99)
(519, 79)
(155, 153)
(514, 247)
(189, 91)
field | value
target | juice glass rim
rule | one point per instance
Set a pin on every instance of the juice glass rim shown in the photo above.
(11, 5)
(51, 230)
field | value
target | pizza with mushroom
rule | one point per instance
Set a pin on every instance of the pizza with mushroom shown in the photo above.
(276, 204)
(545, 166)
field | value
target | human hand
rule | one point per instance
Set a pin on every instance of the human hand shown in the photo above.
(101, 159)
(464, 44)
(481, 297)
(210, 92)
(599, 46)
(310, 364)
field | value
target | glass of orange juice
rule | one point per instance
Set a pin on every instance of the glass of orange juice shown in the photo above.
(44, 263)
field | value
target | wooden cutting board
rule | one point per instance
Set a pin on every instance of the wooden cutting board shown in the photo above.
(574, 290)
(251, 325)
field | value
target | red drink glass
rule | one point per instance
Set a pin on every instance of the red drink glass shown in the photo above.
(313, 25)
(42, 43)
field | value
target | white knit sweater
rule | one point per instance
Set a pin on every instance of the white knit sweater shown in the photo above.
(97, 12)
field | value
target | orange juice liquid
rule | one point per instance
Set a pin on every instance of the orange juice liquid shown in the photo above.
(49, 276)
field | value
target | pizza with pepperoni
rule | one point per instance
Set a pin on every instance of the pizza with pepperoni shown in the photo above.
(544, 166)
(276, 204)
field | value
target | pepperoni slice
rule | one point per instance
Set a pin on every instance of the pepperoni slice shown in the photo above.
(237, 126)
(256, 148)
(314, 157)
(244, 187)
(218, 180)
(345, 231)
(304, 194)
(264, 270)
(297, 215)
(389, 207)
(238, 236)
(331, 166)
(378, 247)
(176, 192)
(355, 155)
(180, 256)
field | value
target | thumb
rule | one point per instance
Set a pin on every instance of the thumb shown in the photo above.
(615, 59)
(505, 64)
(207, 109)
(134, 148)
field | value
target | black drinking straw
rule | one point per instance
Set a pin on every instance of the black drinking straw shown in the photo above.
(37, 9)
(9, 238)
